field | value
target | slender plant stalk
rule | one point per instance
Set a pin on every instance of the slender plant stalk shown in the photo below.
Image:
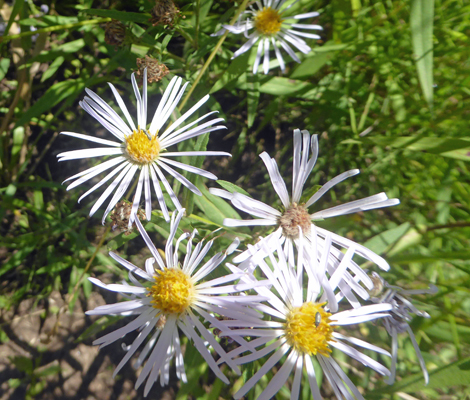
(196, 36)
(95, 21)
(212, 55)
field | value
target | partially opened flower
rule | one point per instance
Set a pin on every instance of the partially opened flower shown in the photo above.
(294, 221)
(302, 327)
(141, 150)
(400, 317)
(272, 27)
(175, 298)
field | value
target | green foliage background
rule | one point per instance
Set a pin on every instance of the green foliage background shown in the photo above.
(387, 89)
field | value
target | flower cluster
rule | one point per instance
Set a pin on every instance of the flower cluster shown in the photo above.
(292, 299)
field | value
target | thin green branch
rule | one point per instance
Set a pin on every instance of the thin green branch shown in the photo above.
(95, 21)
(212, 55)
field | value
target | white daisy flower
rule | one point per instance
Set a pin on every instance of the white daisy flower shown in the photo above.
(301, 327)
(271, 27)
(400, 317)
(174, 299)
(295, 224)
(140, 149)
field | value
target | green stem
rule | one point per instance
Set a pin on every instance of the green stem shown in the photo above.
(196, 36)
(212, 55)
(95, 21)
(186, 36)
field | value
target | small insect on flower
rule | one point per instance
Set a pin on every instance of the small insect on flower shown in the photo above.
(141, 149)
(301, 327)
(317, 319)
(272, 27)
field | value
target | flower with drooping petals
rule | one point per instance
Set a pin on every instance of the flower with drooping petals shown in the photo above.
(400, 318)
(294, 222)
(140, 149)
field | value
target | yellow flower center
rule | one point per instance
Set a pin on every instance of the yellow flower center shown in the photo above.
(308, 329)
(172, 292)
(140, 148)
(268, 21)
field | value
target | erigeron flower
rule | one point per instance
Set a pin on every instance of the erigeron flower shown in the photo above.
(176, 298)
(294, 223)
(272, 27)
(301, 327)
(400, 317)
(140, 149)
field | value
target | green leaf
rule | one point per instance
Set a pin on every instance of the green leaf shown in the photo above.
(429, 258)
(232, 188)
(52, 370)
(447, 147)
(456, 373)
(212, 212)
(252, 99)
(384, 241)
(53, 96)
(97, 327)
(71, 47)
(442, 330)
(18, 137)
(32, 22)
(236, 68)
(4, 65)
(122, 16)
(53, 68)
(421, 21)
(311, 65)
(278, 86)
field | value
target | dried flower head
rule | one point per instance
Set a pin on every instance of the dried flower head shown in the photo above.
(120, 217)
(164, 13)
(155, 70)
(115, 33)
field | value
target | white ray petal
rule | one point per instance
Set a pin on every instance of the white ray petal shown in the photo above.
(266, 56)
(92, 139)
(120, 191)
(258, 57)
(159, 194)
(114, 287)
(190, 168)
(280, 378)
(246, 46)
(327, 186)
(89, 153)
(248, 222)
(261, 372)
(185, 116)
(123, 107)
(92, 172)
(109, 189)
(175, 81)
(279, 57)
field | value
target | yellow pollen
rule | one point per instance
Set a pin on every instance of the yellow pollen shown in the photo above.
(140, 149)
(268, 21)
(308, 332)
(172, 292)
